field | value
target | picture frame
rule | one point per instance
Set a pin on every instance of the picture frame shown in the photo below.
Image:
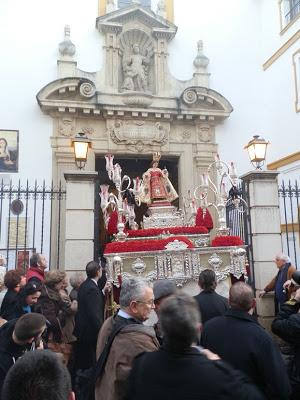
(9, 151)
(22, 260)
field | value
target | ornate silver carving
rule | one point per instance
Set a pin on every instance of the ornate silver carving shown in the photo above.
(215, 261)
(202, 241)
(87, 90)
(176, 245)
(237, 262)
(66, 127)
(138, 266)
(137, 132)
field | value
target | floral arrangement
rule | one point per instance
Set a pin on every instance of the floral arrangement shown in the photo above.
(220, 241)
(203, 218)
(188, 230)
(144, 245)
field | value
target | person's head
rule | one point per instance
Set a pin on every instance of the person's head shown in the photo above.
(55, 280)
(28, 328)
(136, 298)
(180, 321)
(162, 289)
(12, 280)
(38, 375)
(38, 261)
(241, 296)
(296, 279)
(207, 280)
(30, 293)
(281, 259)
(93, 270)
(76, 279)
(3, 143)
(136, 49)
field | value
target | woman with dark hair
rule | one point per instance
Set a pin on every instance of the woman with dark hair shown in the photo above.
(13, 280)
(26, 299)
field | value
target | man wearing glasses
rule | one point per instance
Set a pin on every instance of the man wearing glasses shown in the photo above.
(136, 304)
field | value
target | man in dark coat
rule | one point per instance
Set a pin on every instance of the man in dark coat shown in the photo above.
(287, 326)
(210, 303)
(238, 339)
(89, 317)
(178, 370)
(17, 336)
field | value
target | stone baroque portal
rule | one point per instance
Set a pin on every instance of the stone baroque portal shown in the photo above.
(132, 104)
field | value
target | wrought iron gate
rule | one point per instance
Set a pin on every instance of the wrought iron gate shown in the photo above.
(30, 221)
(289, 201)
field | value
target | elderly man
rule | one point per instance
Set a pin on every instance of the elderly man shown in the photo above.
(285, 271)
(238, 339)
(136, 303)
(181, 371)
(36, 271)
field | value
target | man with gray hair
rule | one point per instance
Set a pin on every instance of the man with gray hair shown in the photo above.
(285, 272)
(181, 370)
(238, 339)
(136, 303)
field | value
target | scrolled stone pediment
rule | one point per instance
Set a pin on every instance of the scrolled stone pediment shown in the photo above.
(138, 131)
(204, 98)
(68, 89)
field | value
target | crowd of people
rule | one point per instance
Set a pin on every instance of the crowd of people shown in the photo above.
(58, 345)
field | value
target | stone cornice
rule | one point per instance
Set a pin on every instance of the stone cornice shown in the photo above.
(258, 175)
(80, 176)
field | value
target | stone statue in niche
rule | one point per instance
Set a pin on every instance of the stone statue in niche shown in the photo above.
(135, 70)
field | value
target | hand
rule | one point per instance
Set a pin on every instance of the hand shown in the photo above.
(210, 355)
(262, 293)
(287, 284)
(107, 288)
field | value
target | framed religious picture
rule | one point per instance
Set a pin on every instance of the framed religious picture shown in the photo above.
(9, 151)
(22, 260)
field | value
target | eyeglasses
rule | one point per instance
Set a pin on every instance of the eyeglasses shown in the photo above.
(149, 302)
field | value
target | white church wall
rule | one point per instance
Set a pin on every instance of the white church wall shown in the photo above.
(238, 38)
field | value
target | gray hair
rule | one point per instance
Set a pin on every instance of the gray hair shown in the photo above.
(180, 317)
(132, 289)
(76, 279)
(283, 257)
(241, 296)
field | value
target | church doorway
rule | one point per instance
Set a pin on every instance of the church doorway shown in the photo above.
(132, 166)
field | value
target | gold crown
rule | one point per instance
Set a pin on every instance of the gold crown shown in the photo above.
(156, 156)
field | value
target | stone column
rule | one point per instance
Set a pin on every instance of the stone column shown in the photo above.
(265, 234)
(79, 237)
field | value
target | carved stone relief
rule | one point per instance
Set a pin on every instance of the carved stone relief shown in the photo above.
(66, 126)
(136, 51)
(204, 133)
(138, 133)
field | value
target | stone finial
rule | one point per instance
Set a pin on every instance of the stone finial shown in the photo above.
(110, 6)
(66, 47)
(201, 61)
(161, 9)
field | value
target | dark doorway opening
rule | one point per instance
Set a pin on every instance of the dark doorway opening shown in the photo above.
(133, 166)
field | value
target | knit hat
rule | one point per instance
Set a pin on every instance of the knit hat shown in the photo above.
(29, 289)
(163, 288)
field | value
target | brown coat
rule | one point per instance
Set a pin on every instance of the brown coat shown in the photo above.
(271, 285)
(131, 341)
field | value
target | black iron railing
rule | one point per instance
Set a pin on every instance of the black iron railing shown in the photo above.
(30, 221)
(289, 198)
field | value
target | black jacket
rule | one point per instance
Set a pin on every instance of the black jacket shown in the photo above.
(163, 375)
(90, 314)
(287, 326)
(8, 304)
(211, 304)
(238, 339)
(9, 350)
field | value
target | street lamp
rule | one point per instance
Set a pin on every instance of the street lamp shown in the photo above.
(81, 145)
(257, 148)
